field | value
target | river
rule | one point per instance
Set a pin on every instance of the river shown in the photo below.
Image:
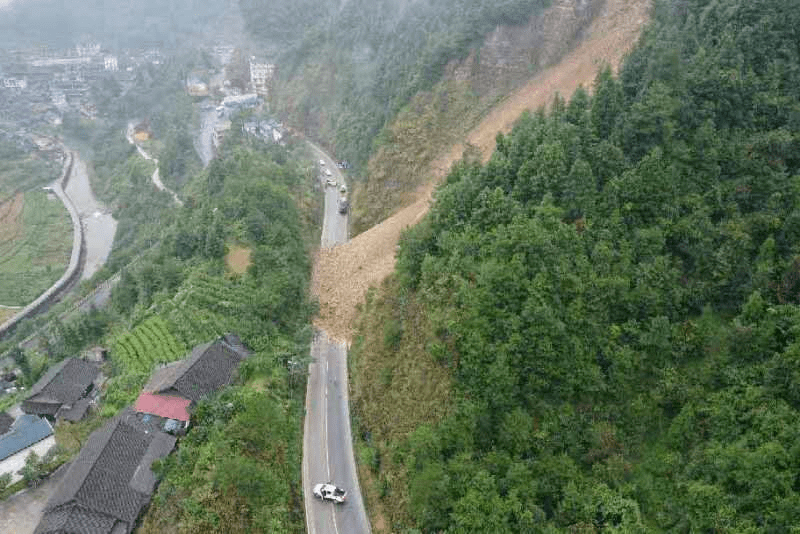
(99, 226)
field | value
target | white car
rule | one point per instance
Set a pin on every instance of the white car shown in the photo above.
(330, 181)
(329, 492)
(328, 172)
(322, 162)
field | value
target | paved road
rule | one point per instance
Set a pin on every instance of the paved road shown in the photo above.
(21, 512)
(155, 178)
(327, 438)
(334, 224)
(328, 452)
(204, 141)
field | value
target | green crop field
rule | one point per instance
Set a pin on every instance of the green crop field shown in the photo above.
(35, 246)
(23, 171)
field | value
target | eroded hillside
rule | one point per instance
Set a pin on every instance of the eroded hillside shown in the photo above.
(343, 275)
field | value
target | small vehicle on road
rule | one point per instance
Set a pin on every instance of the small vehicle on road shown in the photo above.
(330, 181)
(343, 189)
(328, 172)
(344, 205)
(322, 163)
(329, 492)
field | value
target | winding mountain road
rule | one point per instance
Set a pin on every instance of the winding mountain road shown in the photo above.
(155, 178)
(327, 437)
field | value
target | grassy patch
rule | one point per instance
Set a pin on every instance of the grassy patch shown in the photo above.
(35, 246)
(71, 437)
(21, 171)
(238, 259)
(7, 313)
(396, 389)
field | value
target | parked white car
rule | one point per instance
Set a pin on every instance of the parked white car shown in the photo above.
(329, 492)
(322, 162)
(330, 181)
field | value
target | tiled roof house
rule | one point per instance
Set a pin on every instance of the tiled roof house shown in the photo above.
(26, 434)
(110, 482)
(64, 387)
(209, 367)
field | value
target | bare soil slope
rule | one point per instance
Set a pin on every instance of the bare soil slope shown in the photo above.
(343, 275)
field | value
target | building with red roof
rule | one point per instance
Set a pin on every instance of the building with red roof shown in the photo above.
(167, 406)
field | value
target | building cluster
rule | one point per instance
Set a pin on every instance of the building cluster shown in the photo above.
(270, 130)
(39, 85)
(261, 76)
(110, 482)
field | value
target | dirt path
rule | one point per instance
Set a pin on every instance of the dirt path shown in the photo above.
(343, 275)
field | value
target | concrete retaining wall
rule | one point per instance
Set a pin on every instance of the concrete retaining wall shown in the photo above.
(75, 261)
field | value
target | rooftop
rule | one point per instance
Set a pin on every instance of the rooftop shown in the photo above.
(24, 432)
(167, 406)
(65, 382)
(209, 367)
(110, 482)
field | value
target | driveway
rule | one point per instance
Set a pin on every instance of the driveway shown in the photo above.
(21, 512)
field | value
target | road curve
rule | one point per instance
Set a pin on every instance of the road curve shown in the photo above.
(327, 437)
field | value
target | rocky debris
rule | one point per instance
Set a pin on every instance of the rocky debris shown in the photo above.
(342, 275)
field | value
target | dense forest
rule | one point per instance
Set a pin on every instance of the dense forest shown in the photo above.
(346, 69)
(608, 309)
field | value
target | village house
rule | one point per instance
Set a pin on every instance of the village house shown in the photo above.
(173, 390)
(209, 367)
(65, 391)
(110, 482)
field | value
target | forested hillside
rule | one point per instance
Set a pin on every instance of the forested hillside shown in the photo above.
(600, 325)
(346, 68)
(238, 469)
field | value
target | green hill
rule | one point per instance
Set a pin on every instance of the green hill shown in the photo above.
(600, 323)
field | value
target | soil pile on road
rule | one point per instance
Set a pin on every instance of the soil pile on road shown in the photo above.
(343, 275)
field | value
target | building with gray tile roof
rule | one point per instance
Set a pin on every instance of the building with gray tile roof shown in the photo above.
(209, 367)
(63, 385)
(110, 482)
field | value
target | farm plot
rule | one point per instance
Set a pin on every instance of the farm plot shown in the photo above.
(150, 343)
(35, 245)
(23, 171)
